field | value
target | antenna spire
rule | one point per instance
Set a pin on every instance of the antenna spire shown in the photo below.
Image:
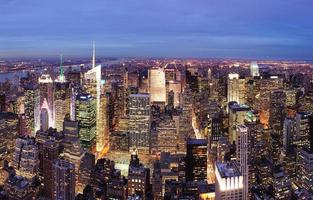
(94, 55)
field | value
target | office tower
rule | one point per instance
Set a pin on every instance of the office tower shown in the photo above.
(242, 157)
(196, 160)
(9, 131)
(50, 152)
(229, 181)
(139, 121)
(117, 189)
(86, 115)
(103, 171)
(169, 167)
(237, 115)
(305, 157)
(25, 158)
(85, 170)
(301, 138)
(32, 109)
(62, 95)
(46, 89)
(280, 183)
(103, 136)
(236, 89)
(214, 131)
(254, 69)
(175, 87)
(291, 97)
(277, 107)
(138, 177)
(215, 125)
(63, 180)
(185, 120)
(167, 136)
(157, 87)
(18, 188)
(73, 151)
(289, 130)
(262, 94)
(92, 85)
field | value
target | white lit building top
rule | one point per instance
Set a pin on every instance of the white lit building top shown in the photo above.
(228, 176)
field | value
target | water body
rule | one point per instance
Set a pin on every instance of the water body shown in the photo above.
(16, 75)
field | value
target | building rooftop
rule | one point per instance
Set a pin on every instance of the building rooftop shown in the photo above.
(229, 169)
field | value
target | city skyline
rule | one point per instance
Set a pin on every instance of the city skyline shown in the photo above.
(205, 29)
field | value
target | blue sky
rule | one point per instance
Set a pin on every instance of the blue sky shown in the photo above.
(160, 28)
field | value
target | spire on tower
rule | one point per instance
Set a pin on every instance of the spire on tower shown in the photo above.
(94, 55)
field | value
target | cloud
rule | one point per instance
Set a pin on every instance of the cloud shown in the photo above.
(136, 27)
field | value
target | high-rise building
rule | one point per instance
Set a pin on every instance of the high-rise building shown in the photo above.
(229, 181)
(196, 160)
(157, 87)
(254, 69)
(47, 115)
(63, 180)
(26, 158)
(85, 170)
(185, 120)
(167, 136)
(277, 107)
(242, 148)
(92, 85)
(86, 115)
(18, 188)
(32, 109)
(73, 151)
(62, 97)
(50, 153)
(139, 121)
(9, 131)
(301, 139)
(138, 177)
(305, 158)
(236, 89)
(237, 115)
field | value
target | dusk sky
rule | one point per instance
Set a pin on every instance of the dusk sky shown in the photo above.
(257, 29)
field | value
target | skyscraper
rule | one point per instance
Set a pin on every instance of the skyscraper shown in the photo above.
(86, 115)
(254, 69)
(185, 120)
(26, 158)
(63, 180)
(196, 160)
(92, 85)
(50, 153)
(236, 89)
(62, 94)
(138, 177)
(157, 87)
(229, 181)
(46, 100)
(139, 121)
(242, 157)
(32, 109)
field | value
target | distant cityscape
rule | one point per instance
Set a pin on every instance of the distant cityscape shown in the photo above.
(153, 128)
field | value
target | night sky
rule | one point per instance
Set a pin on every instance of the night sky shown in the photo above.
(256, 29)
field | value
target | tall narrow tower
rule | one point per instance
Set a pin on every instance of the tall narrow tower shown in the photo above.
(93, 54)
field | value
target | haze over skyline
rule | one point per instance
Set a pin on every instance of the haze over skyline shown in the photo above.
(280, 29)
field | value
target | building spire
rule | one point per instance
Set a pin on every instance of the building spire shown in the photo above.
(94, 55)
(61, 76)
